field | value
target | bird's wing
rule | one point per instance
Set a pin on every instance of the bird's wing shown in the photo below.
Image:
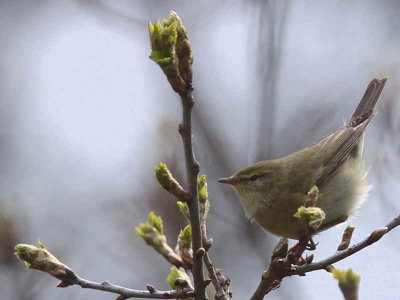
(339, 146)
(347, 142)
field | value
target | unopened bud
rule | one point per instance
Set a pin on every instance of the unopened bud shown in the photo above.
(39, 258)
(169, 183)
(171, 50)
(178, 275)
(377, 234)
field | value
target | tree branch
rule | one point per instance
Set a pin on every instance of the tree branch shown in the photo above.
(219, 290)
(192, 170)
(126, 293)
(281, 266)
(40, 258)
(375, 236)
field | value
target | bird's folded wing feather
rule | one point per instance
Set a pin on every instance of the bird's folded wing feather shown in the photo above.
(341, 144)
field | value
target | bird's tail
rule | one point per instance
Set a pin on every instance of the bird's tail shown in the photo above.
(365, 108)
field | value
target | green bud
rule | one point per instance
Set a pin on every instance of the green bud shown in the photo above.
(169, 183)
(183, 49)
(313, 216)
(184, 208)
(184, 246)
(156, 222)
(185, 237)
(164, 176)
(39, 258)
(348, 281)
(346, 238)
(202, 187)
(172, 52)
(163, 40)
(346, 277)
(312, 196)
(203, 196)
(152, 232)
(175, 274)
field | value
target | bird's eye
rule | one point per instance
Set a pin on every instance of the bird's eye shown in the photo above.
(255, 177)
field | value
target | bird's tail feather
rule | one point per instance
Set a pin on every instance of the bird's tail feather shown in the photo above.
(365, 108)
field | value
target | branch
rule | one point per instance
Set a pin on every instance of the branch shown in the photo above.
(192, 170)
(323, 264)
(171, 50)
(126, 293)
(281, 266)
(220, 282)
(219, 289)
(40, 258)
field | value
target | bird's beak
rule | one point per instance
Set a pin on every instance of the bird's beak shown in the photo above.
(229, 180)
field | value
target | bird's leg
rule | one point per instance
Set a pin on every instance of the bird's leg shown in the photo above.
(305, 243)
(311, 245)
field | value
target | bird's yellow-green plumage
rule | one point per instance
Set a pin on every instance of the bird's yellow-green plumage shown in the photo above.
(271, 191)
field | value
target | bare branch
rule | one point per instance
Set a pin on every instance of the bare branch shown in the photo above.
(40, 258)
(375, 236)
(220, 292)
(192, 170)
(272, 277)
(220, 282)
(126, 293)
(281, 265)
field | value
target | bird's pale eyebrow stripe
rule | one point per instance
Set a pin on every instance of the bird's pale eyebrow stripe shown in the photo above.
(249, 178)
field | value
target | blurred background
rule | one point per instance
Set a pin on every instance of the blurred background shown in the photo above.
(85, 116)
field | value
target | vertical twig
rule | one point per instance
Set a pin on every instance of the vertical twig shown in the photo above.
(192, 170)
(219, 290)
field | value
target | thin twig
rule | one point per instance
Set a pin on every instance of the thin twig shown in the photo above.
(219, 281)
(338, 256)
(280, 268)
(220, 293)
(126, 293)
(192, 170)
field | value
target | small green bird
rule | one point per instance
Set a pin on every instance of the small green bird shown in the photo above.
(271, 191)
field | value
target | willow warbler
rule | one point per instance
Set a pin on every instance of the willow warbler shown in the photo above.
(271, 191)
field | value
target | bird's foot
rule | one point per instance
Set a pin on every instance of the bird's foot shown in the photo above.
(311, 245)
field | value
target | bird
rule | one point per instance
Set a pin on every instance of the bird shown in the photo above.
(271, 191)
